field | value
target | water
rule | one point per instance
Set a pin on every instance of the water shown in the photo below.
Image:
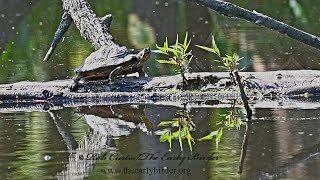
(50, 144)
(38, 144)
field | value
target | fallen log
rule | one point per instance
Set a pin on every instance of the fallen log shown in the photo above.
(125, 89)
(205, 88)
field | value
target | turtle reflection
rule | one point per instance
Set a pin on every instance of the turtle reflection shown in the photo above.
(116, 120)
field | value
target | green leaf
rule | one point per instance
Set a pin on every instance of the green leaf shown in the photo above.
(220, 134)
(213, 41)
(177, 42)
(176, 134)
(190, 59)
(164, 49)
(235, 56)
(166, 123)
(170, 140)
(165, 137)
(166, 43)
(220, 123)
(176, 124)
(216, 50)
(190, 140)
(205, 48)
(189, 53)
(215, 46)
(178, 48)
(174, 51)
(210, 136)
(218, 138)
(167, 62)
(187, 46)
(185, 40)
(207, 137)
(180, 142)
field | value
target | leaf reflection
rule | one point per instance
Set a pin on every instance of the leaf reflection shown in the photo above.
(179, 128)
(231, 120)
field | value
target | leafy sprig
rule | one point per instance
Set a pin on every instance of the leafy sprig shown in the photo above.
(230, 62)
(179, 55)
(185, 127)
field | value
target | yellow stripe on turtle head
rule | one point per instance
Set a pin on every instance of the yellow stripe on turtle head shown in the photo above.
(145, 55)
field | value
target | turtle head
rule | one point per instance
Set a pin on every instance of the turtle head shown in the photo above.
(144, 55)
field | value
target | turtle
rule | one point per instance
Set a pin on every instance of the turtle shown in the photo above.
(109, 63)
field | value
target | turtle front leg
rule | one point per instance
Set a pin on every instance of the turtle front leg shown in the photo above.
(114, 73)
(141, 72)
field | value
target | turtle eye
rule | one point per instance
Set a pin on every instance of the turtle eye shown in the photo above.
(147, 50)
(147, 53)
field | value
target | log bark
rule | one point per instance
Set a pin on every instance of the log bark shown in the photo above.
(125, 89)
(205, 89)
(93, 28)
(232, 10)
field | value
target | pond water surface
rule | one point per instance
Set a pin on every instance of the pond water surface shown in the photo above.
(123, 141)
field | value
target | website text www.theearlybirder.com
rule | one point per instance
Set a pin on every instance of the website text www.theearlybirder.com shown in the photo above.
(148, 170)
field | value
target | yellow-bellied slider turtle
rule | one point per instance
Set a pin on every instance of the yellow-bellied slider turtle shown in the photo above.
(110, 62)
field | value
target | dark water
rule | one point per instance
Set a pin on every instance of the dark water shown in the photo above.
(38, 144)
(50, 144)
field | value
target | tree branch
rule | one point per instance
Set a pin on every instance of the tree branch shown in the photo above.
(91, 27)
(62, 29)
(232, 10)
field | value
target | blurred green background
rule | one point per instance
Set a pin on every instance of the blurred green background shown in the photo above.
(27, 28)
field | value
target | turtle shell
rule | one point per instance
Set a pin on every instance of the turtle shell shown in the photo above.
(104, 57)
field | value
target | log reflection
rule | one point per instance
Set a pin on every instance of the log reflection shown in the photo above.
(105, 122)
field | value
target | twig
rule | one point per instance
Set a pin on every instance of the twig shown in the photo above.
(66, 135)
(243, 95)
(244, 147)
(62, 29)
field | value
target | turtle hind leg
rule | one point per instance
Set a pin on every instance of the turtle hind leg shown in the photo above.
(114, 73)
(75, 85)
